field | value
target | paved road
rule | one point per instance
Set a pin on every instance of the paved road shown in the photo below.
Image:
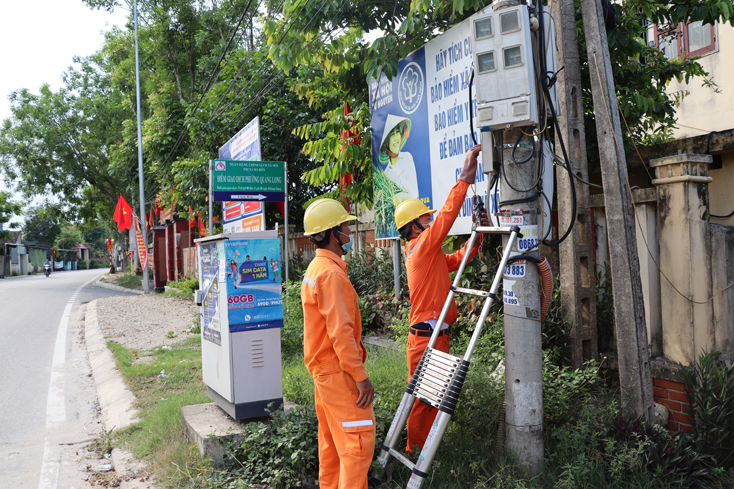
(47, 396)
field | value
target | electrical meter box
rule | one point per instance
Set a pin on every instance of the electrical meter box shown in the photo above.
(242, 314)
(505, 66)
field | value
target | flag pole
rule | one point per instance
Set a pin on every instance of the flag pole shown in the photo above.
(141, 178)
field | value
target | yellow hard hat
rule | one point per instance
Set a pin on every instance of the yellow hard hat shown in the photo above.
(408, 210)
(323, 215)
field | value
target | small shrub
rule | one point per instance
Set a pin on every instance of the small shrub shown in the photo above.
(283, 453)
(710, 391)
(565, 391)
(81, 265)
(631, 446)
(187, 285)
(291, 336)
(371, 272)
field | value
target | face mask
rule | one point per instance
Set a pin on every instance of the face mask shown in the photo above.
(348, 245)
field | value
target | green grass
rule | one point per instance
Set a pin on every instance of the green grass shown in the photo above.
(130, 281)
(159, 437)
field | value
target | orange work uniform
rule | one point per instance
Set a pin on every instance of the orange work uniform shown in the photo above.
(429, 283)
(335, 356)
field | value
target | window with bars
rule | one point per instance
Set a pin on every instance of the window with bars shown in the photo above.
(690, 39)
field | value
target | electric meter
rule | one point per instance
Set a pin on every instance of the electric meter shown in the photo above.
(504, 66)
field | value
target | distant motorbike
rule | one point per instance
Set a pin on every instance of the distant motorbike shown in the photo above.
(47, 270)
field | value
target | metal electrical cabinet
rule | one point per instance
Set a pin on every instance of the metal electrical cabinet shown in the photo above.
(242, 313)
(504, 65)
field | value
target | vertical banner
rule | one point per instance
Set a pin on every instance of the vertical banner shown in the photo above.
(254, 293)
(421, 131)
(142, 249)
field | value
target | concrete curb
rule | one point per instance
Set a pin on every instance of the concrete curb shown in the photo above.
(99, 283)
(115, 401)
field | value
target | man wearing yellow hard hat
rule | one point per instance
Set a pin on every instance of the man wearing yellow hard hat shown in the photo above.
(334, 353)
(428, 270)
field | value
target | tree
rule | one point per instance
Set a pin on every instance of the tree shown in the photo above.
(68, 238)
(8, 207)
(60, 142)
(42, 224)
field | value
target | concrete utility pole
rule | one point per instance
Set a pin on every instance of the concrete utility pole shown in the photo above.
(141, 176)
(523, 349)
(629, 309)
(577, 273)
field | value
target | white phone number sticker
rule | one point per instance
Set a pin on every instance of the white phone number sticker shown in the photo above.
(515, 270)
(508, 296)
(529, 238)
(512, 220)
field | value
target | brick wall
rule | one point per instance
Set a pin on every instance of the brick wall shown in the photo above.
(672, 394)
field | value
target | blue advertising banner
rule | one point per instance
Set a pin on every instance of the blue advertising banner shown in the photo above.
(421, 132)
(254, 295)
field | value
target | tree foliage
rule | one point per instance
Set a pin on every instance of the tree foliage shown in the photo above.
(209, 67)
(8, 207)
(43, 223)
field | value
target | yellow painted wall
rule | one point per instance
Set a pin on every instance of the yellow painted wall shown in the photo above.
(703, 110)
(721, 189)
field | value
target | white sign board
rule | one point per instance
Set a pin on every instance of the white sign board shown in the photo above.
(421, 132)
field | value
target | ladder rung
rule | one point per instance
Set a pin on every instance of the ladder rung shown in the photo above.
(496, 229)
(452, 359)
(403, 460)
(462, 290)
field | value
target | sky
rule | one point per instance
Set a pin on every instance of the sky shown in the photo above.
(38, 40)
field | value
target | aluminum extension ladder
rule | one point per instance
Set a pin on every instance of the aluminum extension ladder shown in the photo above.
(439, 377)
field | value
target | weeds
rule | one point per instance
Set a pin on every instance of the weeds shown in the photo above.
(130, 282)
(166, 381)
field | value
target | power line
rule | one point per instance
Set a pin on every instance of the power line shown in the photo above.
(215, 72)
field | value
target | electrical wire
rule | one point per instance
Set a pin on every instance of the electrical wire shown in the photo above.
(517, 144)
(722, 217)
(214, 73)
(471, 116)
(547, 83)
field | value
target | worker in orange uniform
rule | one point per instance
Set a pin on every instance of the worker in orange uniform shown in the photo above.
(428, 270)
(334, 353)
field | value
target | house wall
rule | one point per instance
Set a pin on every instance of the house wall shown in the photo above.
(703, 110)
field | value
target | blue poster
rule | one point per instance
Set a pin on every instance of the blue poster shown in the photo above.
(399, 141)
(254, 294)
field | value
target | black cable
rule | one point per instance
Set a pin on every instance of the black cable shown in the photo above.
(531, 258)
(471, 115)
(507, 181)
(517, 144)
(546, 88)
(492, 184)
(722, 217)
(519, 201)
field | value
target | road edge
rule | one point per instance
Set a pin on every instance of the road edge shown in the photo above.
(100, 283)
(115, 400)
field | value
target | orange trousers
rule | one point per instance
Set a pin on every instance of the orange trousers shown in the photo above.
(346, 433)
(422, 415)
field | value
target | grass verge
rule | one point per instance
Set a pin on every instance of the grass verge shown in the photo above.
(130, 282)
(163, 381)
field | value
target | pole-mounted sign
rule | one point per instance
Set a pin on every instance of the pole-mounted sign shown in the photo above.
(261, 181)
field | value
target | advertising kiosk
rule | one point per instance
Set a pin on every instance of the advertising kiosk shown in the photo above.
(242, 313)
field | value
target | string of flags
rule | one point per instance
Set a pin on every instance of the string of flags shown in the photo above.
(126, 219)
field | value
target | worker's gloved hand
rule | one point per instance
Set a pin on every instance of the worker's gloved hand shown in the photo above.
(366, 393)
(485, 218)
(469, 172)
